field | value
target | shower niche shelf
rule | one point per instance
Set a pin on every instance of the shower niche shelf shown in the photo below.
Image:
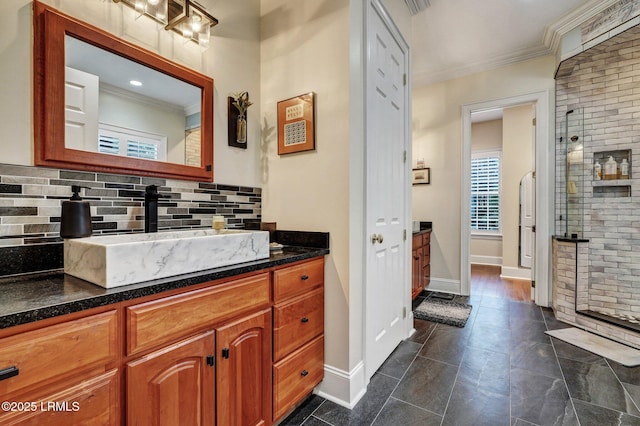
(618, 155)
(601, 191)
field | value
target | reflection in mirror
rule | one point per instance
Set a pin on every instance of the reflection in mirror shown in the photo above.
(116, 106)
(89, 116)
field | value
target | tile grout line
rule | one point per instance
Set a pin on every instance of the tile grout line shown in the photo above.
(627, 394)
(402, 377)
(564, 379)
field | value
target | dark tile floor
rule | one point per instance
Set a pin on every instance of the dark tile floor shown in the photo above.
(500, 369)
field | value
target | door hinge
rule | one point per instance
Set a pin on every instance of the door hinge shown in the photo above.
(211, 360)
(404, 156)
(533, 228)
(404, 312)
(533, 174)
(225, 353)
(404, 235)
(533, 121)
(533, 284)
(404, 79)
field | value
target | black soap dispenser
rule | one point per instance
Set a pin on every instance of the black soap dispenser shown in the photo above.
(76, 216)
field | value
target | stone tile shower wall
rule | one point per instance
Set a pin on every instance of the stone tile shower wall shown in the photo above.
(31, 200)
(604, 82)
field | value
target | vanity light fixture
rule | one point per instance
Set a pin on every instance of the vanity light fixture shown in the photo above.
(190, 19)
(155, 9)
(186, 17)
(135, 83)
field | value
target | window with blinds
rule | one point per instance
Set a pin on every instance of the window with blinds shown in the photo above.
(485, 193)
(131, 143)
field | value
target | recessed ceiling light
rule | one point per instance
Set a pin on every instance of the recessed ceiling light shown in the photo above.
(135, 83)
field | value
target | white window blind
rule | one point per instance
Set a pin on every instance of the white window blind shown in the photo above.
(131, 143)
(485, 193)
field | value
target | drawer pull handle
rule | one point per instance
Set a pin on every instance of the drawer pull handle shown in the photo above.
(304, 373)
(304, 319)
(304, 277)
(9, 372)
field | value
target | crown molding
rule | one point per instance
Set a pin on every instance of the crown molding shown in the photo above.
(426, 78)
(553, 32)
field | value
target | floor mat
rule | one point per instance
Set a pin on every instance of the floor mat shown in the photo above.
(444, 312)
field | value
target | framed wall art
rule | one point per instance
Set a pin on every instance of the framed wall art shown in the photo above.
(296, 124)
(421, 176)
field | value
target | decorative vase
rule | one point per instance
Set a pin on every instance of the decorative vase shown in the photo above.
(241, 129)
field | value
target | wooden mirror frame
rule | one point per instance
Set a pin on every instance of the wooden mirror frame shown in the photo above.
(50, 27)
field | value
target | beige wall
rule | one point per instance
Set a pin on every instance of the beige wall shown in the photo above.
(517, 160)
(437, 137)
(305, 47)
(233, 60)
(486, 136)
(318, 46)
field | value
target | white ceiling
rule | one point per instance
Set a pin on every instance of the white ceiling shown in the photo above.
(452, 38)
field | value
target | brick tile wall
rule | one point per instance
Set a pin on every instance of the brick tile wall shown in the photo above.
(31, 200)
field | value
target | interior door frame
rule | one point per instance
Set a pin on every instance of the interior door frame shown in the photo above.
(379, 8)
(544, 180)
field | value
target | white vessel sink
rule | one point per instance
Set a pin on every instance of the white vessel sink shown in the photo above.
(117, 260)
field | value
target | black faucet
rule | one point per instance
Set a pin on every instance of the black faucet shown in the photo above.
(151, 197)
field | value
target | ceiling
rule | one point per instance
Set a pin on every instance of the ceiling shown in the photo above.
(452, 38)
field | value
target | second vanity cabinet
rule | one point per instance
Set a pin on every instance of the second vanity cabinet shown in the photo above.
(239, 351)
(421, 266)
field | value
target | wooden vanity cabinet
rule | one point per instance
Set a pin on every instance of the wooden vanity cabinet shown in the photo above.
(233, 356)
(298, 329)
(421, 262)
(235, 352)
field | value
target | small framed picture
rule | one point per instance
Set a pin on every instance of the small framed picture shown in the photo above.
(296, 124)
(421, 176)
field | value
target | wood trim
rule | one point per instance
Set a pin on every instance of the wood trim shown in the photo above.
(50, 28)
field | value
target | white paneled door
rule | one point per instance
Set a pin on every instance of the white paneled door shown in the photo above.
(81, 110)
(387, 282)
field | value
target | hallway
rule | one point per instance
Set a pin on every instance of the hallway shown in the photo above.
(500, 369)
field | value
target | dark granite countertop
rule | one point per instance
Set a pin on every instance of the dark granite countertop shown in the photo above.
(34, 297)
(424, 227)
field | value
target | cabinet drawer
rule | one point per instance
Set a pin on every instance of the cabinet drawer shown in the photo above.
(416, 242)
(297, 279)
(93, 402)
(297, 321)
(51, 353)
(426, 238)
(164, 320)
(295, 376)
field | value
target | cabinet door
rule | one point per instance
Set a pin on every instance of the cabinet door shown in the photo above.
(417, 278)
(244, 371)
(173, 386)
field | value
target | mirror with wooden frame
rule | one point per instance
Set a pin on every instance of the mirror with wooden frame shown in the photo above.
(104, 104)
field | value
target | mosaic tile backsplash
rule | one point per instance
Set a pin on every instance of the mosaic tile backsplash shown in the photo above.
(31, 202)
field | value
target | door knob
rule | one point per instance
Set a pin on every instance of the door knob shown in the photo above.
(376, 238)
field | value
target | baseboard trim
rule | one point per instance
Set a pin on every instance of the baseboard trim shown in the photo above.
(515, 273)
(343, 387)
(486, 260)
(444, 285)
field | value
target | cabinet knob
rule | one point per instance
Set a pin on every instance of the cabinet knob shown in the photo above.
(304, 373)
(9, 372)
(304, 277)
(304, 319)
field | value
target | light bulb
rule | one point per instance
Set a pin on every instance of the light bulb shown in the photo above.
(153, 2)
(196, 23)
